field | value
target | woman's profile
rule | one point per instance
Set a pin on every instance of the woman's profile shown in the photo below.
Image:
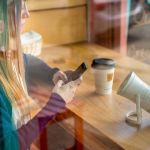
(17, 72)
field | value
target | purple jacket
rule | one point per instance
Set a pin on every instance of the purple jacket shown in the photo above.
(39, 72)
(20, 139)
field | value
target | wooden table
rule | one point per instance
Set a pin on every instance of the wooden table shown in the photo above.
(106, 114)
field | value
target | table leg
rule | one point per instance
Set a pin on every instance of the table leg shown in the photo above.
(78, 133)
(43, 140)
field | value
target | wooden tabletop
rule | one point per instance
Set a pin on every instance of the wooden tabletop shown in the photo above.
(104, 113)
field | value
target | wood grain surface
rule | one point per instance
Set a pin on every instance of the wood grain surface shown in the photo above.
(104, 113)
(53, 4)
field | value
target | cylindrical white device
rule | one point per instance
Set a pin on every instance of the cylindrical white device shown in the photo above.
(133, 86)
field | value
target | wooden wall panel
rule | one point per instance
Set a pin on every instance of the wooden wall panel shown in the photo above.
(51, 4)
(59, 26)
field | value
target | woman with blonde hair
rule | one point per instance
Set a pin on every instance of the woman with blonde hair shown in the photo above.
(17, 129)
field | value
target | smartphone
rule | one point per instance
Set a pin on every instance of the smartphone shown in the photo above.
(78, 72)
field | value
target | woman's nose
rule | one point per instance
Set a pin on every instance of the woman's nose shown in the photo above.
(25, 12)
(25, 15)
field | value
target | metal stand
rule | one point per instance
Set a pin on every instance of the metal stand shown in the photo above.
(135, 117)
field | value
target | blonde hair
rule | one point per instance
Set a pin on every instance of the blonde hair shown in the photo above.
(12, 75)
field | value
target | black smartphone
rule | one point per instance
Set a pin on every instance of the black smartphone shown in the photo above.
(78, 72)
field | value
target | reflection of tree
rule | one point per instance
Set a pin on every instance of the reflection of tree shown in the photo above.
(140, 12)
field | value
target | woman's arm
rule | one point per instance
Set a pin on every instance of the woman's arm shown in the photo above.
(38, 71)
(21, 139)
(29, 132)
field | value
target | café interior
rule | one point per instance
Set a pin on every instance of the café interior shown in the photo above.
(66, 33)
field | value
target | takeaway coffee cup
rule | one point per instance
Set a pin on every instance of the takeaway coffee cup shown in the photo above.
(103, 69)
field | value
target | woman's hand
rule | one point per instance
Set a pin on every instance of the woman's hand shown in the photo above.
(66, 91)
(59, 75)
(63, 76)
